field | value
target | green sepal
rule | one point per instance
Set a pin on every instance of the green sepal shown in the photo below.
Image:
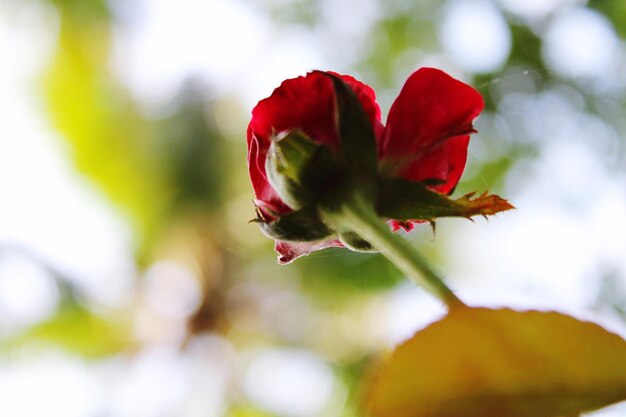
(357, 138)
(354, 242)
(288, 158)
(302, 225)
(407, 200)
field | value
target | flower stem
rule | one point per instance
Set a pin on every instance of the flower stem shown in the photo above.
(356, 216)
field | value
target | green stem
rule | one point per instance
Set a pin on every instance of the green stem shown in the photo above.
(358, 217)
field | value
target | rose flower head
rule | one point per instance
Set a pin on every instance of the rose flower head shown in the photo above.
(318, 139)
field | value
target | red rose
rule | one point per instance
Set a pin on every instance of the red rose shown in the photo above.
(425, 140)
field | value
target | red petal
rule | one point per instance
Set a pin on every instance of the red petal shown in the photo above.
(406, 225)
(431, 109)
(265, 194)
(306, 103)
(290, 251)
(443, 165)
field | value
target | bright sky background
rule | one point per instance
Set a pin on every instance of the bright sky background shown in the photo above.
(568, 223)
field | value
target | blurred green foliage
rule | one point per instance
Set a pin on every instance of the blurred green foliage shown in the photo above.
(248, 412)
(614, 10)
(335, 274)
(77, 330)
(110, 141)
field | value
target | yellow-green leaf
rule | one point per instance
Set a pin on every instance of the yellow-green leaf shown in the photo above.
(478, 362)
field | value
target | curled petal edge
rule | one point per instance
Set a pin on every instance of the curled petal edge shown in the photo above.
(290, 251)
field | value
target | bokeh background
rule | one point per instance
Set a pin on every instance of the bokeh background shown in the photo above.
(132, 284)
